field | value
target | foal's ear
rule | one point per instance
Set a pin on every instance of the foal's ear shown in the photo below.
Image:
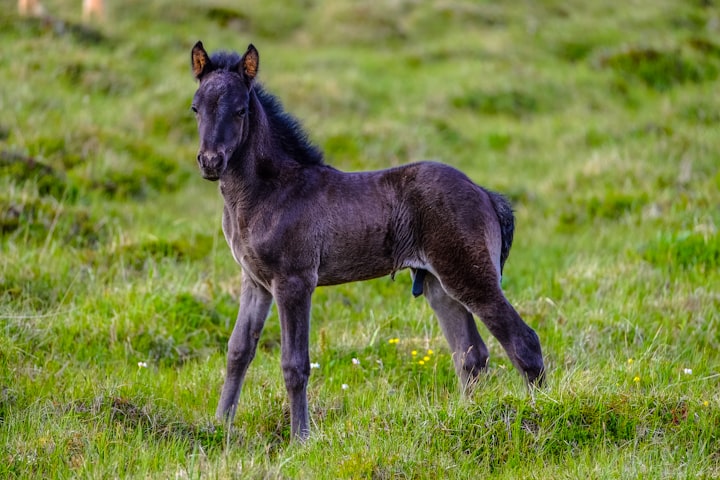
(249, 64)
(200, 61)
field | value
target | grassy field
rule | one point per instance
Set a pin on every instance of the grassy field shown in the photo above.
(600, 120)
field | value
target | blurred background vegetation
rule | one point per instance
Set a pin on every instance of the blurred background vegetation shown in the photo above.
(598, 119)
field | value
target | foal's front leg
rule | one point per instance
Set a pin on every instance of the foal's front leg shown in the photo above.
(293, 296)
(255, 304)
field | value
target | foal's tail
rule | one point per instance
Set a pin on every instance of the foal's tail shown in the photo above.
(505, 216)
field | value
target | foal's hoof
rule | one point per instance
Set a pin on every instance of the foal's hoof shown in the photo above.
(300, 437)
(535, 378)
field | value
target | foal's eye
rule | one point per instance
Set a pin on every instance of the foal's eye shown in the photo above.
(241, 112)
(194, 110)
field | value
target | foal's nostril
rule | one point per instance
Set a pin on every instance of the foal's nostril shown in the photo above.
(211, 164)
(209, 160)
(215, 161)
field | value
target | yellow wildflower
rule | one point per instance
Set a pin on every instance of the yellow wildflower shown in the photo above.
(413, 353)
(636, 379)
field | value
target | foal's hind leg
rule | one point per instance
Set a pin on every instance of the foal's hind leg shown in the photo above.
(470, 355)
(519, 340)
(255, 304)
(482, 295)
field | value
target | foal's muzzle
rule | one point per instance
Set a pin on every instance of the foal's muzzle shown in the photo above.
(211, 164)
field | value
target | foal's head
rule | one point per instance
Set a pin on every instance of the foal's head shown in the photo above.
(221, 105)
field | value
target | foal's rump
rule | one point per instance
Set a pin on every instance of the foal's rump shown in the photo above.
(462, 228)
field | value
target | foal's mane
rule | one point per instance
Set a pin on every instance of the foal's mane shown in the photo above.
(285, 128)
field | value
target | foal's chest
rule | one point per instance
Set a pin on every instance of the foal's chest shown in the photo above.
(237, 237)
(246, 247)
(231, 230)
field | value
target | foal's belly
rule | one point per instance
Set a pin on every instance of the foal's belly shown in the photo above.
(349, 259)
(351, 272)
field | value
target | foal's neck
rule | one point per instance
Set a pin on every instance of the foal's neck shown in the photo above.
(241, 185)
(273, 155)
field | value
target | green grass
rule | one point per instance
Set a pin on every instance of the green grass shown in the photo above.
(117, 291)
